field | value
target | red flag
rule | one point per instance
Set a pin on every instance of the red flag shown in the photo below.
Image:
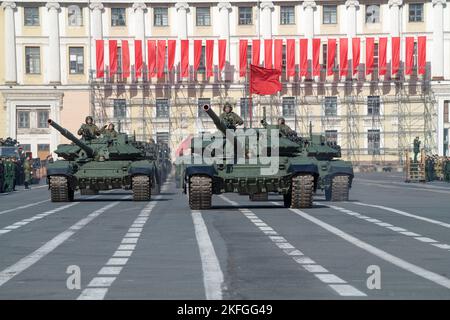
(184, 58)
(382, 48)
(343, 57)
(112, 57)
(264, 81)
(100, 58)
(395, 54)
(409, 58)
(331, 55)
(268, 53)
(421, 54)
(256, 50)
(171, 45)
(316, 53)
(278, 54)
(125, 59)
(151, 63)
(197, 53)
(242, 57)
(138, 57)
(290, 57)
(356, 48)
(161, 57)
(303, 57)
(370, 46)
(222, 53)
(209, 57)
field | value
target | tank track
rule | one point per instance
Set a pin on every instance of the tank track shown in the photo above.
(200, 192)
(340, 188)
(59, 189)
(141, 188)
(263, 196)
(302, 191)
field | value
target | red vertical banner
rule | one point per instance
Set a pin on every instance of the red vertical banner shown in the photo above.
(209, 57)
(356, 54)
(382, 49)
(138, 58)
(125, 59)
(331, 56)
(222, 53)
(315, 59)
(197, 53)
(151, 63)
(343, 57)
(421, 54)
(395, 61)
(100, 58)
(184, 58)
(278, 54)
(268, 53)
(370, 46)
(303, 57)
(409, 55)
(290, 57)
(242, 57)
(161, 58)
(112, 57)
(171, 47)
(256, 50)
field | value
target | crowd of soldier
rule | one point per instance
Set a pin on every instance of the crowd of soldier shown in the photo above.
(437, 168)
(15, 169)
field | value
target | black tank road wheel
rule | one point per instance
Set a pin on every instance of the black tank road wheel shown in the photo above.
(200, 192)
(340, 188)
(264, 196)
(60, 190)
(141, 188)
(302, 191)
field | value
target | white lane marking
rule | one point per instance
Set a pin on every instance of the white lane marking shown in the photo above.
(314, 268)
(24, 207)
(425, 239)
(101, 282)
(26, 262)
(403, 188)
(329, 278)
(93, 294)
(130, 240)
(404, 213)
(345, 290)
(117, 261)
(108, 271)
(421, 272)
(212, 273)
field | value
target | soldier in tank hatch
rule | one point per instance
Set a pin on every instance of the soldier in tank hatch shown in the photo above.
(89, 130)
(230, 119)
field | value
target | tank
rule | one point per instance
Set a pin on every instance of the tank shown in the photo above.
(99, 164)
(285, 169)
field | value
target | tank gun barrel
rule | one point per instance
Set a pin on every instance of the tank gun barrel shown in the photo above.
(66, 133)
(207, 108)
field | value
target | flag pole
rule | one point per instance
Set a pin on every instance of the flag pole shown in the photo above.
(249, 96)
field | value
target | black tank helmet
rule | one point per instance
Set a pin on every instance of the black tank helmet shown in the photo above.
(227, 104)
(87, 118)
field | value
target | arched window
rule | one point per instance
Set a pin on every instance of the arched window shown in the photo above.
(75, 15)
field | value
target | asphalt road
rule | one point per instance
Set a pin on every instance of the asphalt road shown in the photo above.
(390, 241)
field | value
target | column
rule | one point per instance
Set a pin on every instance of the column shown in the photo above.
(394, 7)
(266, 18)
(351, 6)
(224, 29)
(10, 42)
(182, 8)
(54, 63)
(96, 28)
(139, 20)
(309, 6)
(437, 61)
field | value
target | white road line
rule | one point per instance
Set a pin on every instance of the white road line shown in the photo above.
(23, 207)
(403, 187)
(26, 262)
(421, 272)
(93, 294)
(212, 274)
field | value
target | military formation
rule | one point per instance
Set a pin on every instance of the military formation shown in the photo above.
(15, 166)
(437, 168)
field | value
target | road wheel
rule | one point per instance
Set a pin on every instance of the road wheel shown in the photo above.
(340, 188)
(141, 188)
(302, 191)
(60, 190)
(200, 192)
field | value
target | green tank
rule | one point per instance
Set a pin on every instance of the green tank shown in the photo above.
(99, 164)
(291, 172)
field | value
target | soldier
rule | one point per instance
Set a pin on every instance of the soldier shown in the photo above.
(284, 128)
(229, 118)
(108, 131)
(89, 130)
(416, 148)
(27, 169)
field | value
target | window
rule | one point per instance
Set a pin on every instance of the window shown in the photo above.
(76, 60)
(287, 15)
(331, 136)
(446, 107)
(120, 108)
(373, 142)
(288, 106)
(74, 16)
(324, 56)
(415, 57)
(375, 55)
(329, 14)
(283, 60)
(201, 102)
(42, 117)
(32, 60)
(43, 147)
(330, 105)
(31, 16)
(23, 119)
(203, 16)
(160, 17)
(118, 17)
(245, 107)
(373, 13)
(162, 108)
(162, 137)
(202, 67)
(373, 105)
(119, 60)
(249, 55)
(415, 12)
(245, 15)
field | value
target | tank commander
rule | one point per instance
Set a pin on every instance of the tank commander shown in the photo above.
(229, 118)
(89, 130)
(109, 131)
(416, 148)
(284, 128)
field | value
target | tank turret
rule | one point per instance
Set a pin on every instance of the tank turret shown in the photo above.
(66, 133)
(217, 122)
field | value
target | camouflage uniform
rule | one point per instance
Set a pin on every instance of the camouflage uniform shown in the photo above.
(109, 133)
(416, 148)
(230, 119)
(89, 131)
(27, 169)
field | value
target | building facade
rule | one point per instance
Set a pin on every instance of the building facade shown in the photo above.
(48, 69)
